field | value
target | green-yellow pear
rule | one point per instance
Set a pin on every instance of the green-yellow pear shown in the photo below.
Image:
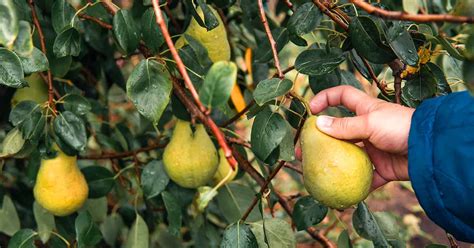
(36, 91)
(336, 173)
(60, 186)
(223, 169)
(463, 8)
(215, 41)
(190, 159)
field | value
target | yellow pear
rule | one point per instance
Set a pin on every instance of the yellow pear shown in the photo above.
(223, 169)
(190, 159)
(336, 173)
(215, 41)
(36, 91)
(60, 186)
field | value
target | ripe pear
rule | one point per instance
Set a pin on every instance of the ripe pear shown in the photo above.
(223, 169)
(190, 159)
(215, 41)
(60, 186)
(36, 91)
(336, 173)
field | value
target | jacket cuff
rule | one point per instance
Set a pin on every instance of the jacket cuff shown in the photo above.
(421, 169)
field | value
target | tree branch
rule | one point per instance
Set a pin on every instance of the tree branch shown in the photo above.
(34, 16)
(96, 20)
(273, 44)
(109, 6)
(179, 63)
(399, 15)
(238, 115)
(123, 154)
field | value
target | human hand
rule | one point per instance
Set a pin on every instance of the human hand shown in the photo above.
(383, 128)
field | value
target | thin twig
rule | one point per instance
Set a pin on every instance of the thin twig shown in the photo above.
(294, 168)
(123, 154)
(43, 49)
(109, 6)
(96, 20)
(273, 44)
(238, 115)
(399, 15)
(328, 12)
(285, 71)
(179, 63)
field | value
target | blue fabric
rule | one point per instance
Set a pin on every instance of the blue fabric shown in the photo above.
(441, 162)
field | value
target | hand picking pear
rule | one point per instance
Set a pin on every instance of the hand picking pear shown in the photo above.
(60, 186)
(336, 173)
(190, 159)
(215, 41)
(223, 169)
(35, 91)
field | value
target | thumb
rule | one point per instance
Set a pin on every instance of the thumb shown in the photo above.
(347, 128)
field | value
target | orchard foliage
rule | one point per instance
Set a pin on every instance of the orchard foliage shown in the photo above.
(116, 88)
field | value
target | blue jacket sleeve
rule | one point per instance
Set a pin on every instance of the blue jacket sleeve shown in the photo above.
(441, 162)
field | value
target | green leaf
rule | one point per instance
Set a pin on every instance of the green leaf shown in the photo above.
(138, 235)
(238, 236)
(154, 179)
(308, 212)
(11, 71)
(9, 220)
(45, 222)
(319, 61)
(125, 31)
(97, 208)
(218, 84)
(12, 143)
(151, 32)
(287, 148)
(76, 104)
(33, 126)
(264, 51)
(275, 233)
(71, 130)
(468, 74)
(344, 241)
(366, 36)
(111, 228)
(449, 47)
(8, 23)
(149, 87)
(87, 232)
(99, 179)
(402, 44)
(367, 227)
(23, 45)
(61, 15)
(67, 43)
(35, 62)
(268, 130)
(210, 20)
(173, 209)
(24, 238)
(411, 6)
(22, 111)
(442, 84)
(270, 88)
(421, 85)
(233, 200)
(305, 19)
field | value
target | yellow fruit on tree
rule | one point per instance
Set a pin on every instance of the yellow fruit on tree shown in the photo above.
(215, 40)
(223, 169)
(60, 186)
(36, 91)
(336, 173)
(190, 159)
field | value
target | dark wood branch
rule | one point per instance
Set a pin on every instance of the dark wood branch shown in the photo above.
(126, 154)
(273, 44)
(37, 24)
(238, 115)
(109, 6)
(325, 9)
(96, 20)
(399, 15)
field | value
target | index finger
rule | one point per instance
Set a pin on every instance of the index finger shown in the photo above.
(353, 99)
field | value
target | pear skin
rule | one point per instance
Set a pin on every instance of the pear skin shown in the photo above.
(336, 173)
(60, 186)
(223, 169)
(190, 159)
(36, 91)
(215, 41)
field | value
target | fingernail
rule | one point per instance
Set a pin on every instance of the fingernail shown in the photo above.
(324, 121)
